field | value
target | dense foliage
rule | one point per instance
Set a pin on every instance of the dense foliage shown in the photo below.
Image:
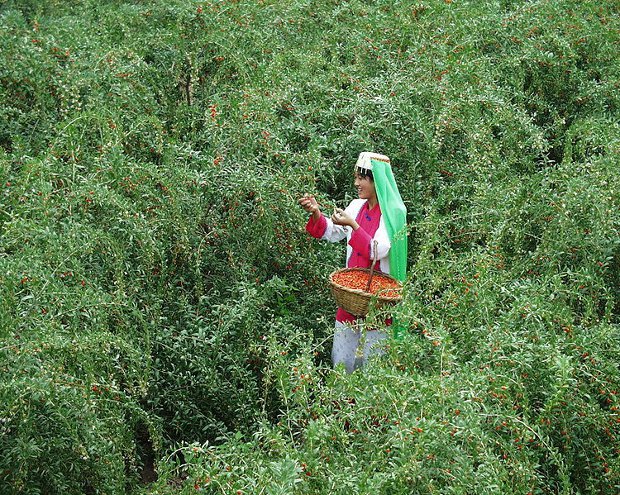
(161, 304)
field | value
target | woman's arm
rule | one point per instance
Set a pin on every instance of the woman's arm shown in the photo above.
(343, 223)
(318, 225)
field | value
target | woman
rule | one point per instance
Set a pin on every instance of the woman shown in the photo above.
(377, 218)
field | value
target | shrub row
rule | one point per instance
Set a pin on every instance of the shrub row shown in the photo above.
(162, 303)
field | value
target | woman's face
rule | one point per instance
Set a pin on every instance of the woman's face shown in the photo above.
(365, 186)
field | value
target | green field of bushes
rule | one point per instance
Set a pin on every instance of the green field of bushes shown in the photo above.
(166, 321)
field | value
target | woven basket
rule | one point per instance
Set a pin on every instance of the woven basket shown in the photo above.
(357, 301)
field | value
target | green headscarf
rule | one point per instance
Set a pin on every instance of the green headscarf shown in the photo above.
(394, 215)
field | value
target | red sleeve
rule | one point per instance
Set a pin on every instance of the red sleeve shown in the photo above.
(360, 242)
(316, 229)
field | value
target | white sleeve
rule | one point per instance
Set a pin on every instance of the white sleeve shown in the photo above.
(336, 233)
(383, 247)
(383, 241)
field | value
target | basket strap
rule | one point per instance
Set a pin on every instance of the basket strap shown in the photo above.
(372, 265)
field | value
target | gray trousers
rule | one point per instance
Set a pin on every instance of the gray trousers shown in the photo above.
(353, 347)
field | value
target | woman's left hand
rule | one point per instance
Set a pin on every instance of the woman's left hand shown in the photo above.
(340, 217)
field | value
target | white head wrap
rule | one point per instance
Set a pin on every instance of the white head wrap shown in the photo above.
(363, 161)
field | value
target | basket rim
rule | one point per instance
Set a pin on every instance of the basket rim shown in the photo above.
(361, 292)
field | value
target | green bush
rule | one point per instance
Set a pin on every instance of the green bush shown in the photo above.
(162, 307)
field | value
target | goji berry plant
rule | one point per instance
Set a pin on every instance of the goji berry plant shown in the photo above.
(165, 320)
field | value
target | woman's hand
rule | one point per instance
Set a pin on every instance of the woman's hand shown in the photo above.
(341, 218)
(310, 204)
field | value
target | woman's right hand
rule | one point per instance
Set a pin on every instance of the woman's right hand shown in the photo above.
(310, 204)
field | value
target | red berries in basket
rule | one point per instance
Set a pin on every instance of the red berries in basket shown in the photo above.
(357, 279)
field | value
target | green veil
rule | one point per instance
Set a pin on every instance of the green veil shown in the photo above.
(394, 215)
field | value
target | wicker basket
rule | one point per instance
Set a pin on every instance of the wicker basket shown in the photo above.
(357, 301)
